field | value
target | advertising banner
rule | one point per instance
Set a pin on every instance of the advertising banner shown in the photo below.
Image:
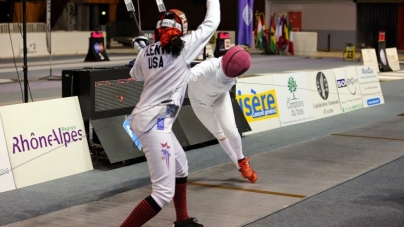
(369, 58)
(392, 58)
(245, 22)
(349, 91)
(46, 140)
(294, 98)
(256, 97)
(370, 86)
(324, 93)
(6, 174)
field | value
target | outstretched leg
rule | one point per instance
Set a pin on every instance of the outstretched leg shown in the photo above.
(208, 118)
(224, 111)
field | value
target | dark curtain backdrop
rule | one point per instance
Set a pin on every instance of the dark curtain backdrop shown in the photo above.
(400, 27)
(375, 17)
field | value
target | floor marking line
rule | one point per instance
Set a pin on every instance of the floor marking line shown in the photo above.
(246, 190)
(368, 137)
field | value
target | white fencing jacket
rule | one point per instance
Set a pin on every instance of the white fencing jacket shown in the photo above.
(166, 77)
(209, 81)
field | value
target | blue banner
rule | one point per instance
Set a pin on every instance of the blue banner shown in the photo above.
(245, 22)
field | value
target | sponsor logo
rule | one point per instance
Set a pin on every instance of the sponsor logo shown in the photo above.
(324, 91)
(372, 102)
(247, 15)
(322, 85)
(351, 108)
(60, 136)
(258, 106)
(349, 83)
(367, 73)
(292, 86)
(166, 154)
(294, 104)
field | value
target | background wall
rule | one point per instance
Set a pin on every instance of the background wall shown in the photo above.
(334, 18)
(194, 9)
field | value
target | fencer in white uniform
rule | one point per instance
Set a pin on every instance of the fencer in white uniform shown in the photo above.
(166, 74)
(211, 102)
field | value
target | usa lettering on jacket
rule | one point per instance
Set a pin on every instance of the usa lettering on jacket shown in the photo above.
(154, 54)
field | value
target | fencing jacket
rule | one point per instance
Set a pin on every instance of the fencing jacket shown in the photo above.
(210, 83)
(166, 77)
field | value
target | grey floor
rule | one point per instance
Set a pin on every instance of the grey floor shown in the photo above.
(344, 170)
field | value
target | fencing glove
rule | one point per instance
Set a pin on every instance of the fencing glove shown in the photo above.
(140, 42)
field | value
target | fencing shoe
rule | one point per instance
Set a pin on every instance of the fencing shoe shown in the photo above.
(190, 222)
(246, 170)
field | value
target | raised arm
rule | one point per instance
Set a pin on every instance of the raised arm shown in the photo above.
(198, 39)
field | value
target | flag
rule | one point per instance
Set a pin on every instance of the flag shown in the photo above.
(290, 46)
(245, 22)
(264, 32)
(291, 49)
(285, 34)
(278, 34)
(272, 42)
(256, 29)
(260, 33)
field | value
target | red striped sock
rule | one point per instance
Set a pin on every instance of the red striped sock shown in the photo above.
(142, 213)
(180, 199)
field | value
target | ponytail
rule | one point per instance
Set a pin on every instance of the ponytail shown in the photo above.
(171, 41)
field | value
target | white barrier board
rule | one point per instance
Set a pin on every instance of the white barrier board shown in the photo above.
(369, 58)
(6, 174)
(324, 93)
(46, 140)
(305, 43)
(370, 86)
(36, 43)
(348, 89)
(256, 97)
(392, 58)
(294, 98)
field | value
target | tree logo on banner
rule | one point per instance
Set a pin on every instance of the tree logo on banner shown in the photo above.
(292, 86)
(247, 15)
(322, 85)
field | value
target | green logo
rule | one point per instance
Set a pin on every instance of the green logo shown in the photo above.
(68, 128)
(292, 86)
